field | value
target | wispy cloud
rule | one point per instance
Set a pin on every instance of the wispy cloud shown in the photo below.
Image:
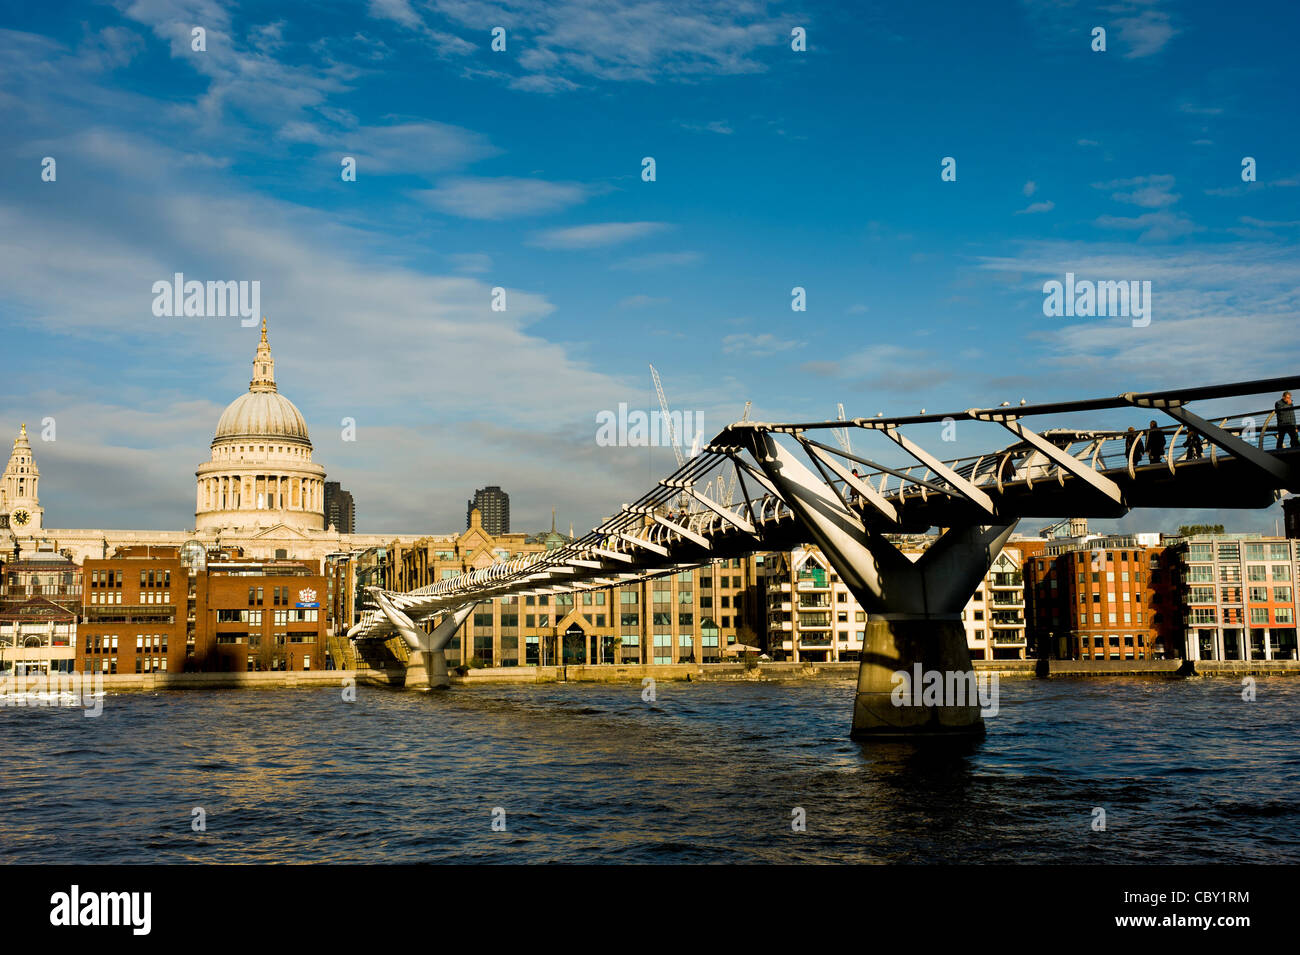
(641, 301)
(757, 346)
(1151, 192)
(657, 260)
(716, 126)
(1146, 33)
(1033, 207)
(554, 45)
(596, 235)
(502, 197)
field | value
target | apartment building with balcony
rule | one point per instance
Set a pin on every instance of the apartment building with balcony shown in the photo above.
(1238, 596)
(812, 616)
(994, 617)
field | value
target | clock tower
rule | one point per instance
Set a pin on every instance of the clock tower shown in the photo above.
(20, 508)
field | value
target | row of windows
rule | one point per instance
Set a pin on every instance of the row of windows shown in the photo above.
(255, 639)
(629, 619)
(144, 643)
(146, 597)
(1098, 640)
(1208, 595)
(1233, 550)
(1257, 615)
(281, 617)
(1231, 573)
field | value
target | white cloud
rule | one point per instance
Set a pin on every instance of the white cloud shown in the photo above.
(596, 235)
(502, 197)
(715, 126)
(1151, 192)
(657, 260)
(473, 262)
(1153, 226)
(1035, 207)
(641, 301)
(1219, 313)
(1146, 33)
(555, 45)
(757, 346)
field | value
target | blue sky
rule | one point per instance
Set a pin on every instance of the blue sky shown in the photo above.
(521, 169)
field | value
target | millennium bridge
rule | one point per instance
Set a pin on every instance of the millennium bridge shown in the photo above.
(795, 488)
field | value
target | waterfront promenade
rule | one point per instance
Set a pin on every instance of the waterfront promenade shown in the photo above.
(779, 672)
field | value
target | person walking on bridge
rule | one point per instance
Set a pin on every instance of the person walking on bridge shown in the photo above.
(1285, 421)
(1131, 438)
(1155, 443)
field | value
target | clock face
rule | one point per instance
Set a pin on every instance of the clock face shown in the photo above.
(20, 517)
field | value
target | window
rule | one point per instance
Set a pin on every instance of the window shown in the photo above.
(1283, 615)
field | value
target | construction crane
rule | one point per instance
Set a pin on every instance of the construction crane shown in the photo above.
(842, 434)
(730, 494)
(685, 499)
(668, 419)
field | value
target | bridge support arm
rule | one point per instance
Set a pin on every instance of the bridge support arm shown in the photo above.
(426, 664)
(914, 627)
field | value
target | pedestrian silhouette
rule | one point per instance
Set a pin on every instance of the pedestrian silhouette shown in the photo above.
(1285, 421)
(1155, 443)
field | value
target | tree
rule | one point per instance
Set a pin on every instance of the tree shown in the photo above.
(1191, 530)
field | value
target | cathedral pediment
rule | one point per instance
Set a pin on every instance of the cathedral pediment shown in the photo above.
(280, 531)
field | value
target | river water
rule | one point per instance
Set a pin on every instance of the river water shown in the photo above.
(1186, 771)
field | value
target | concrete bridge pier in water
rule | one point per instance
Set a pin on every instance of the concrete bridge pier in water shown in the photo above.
(426, 665)
(913, 608)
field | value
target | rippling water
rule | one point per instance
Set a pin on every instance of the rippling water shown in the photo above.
(1186, 771)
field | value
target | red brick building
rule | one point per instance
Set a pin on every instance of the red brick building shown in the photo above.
(1104, 598)
(260, 615)
(134, 612)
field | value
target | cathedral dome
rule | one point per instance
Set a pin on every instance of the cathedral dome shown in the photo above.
(262, 414)
(261, 473)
